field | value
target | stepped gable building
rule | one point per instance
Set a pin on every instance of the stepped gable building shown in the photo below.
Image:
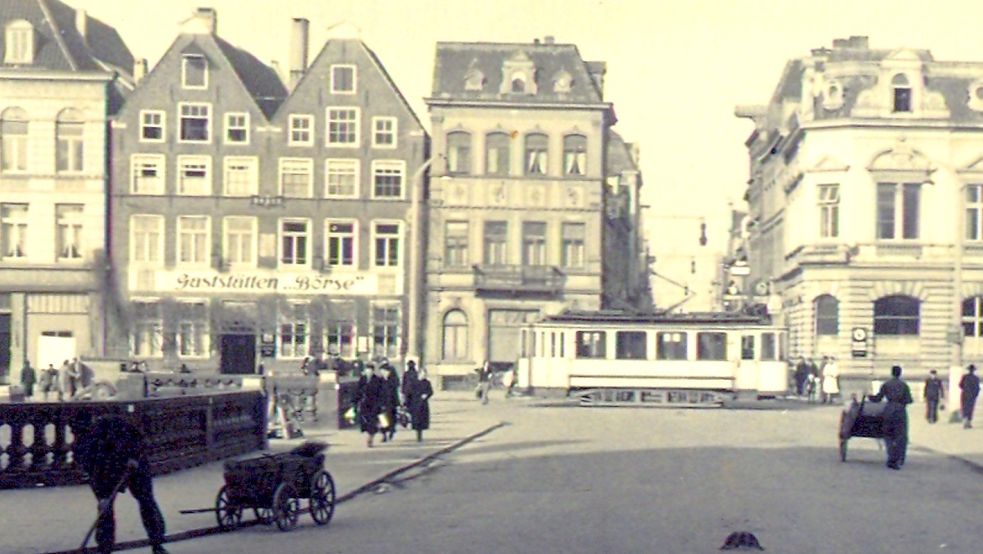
(62, 73)
(530, 193)
(865, 202)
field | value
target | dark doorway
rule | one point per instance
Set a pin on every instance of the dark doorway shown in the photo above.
(238, 354)
(4, 349)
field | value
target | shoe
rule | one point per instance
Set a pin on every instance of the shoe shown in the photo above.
(894, 466)
(369, 442)
(159, 550)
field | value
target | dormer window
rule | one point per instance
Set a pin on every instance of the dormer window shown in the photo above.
(833, 95)
(562, 82)
(518, 75)
(474, 80)
(194, 72)
(902, 93)
(19, 43)
(518, 83)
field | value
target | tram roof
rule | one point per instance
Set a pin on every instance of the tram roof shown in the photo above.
(605, 316)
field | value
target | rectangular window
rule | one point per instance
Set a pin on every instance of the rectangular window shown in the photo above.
(194, 175)
(239, 240)
(193, 239)
(192, 329)
(148, 330)
(711, 346)
(301, 130)
(631, 345)
(341, 178)
(768, 347)
(339, 337)
(898, 210)
(340, 238)
(385, 330)
(902, 99)
(384, 132)
(670, 346)
(237, 128)
(747, 347)
(68, 231)
(20, 44)
(294, 329)
(196, 123)
(533, 243)
(13, 136)
(241, 176)
(147, 239)
(194, 72)
(294, 242)
(296, 177)
(69, 149)
(342, 126)
(496, 243)
(537, 154)
(456, 244)
(909, 213)
(458, 153)
(147, 174)
(885, 210)
(387, 178)
(386, 238)
(497, 149)
(591, 344)
(152, 126)
(974, 212)
(829, 211)
(13, 231)
(342, 79)
(575, 155)
(573, 244)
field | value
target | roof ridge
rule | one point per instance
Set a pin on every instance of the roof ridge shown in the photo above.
(56, 31)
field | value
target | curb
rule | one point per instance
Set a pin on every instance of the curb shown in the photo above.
(207, 531)
(978, 468)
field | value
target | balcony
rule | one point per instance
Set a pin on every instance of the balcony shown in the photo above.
(518, 280)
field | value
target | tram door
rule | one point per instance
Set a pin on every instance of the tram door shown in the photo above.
(503, 333)
(747, 366)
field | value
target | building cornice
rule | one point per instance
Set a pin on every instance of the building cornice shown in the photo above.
(478, 103)
(45, 75)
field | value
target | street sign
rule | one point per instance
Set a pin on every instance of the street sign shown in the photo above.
(858, 346)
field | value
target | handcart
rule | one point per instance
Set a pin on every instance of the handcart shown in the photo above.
(861, 419)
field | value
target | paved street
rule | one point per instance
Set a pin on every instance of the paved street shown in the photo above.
(566, 479)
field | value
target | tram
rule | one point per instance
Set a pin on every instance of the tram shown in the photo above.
(617, 358)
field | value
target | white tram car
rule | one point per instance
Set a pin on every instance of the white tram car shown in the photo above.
(615, 358)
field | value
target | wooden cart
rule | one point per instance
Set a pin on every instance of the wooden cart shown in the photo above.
(863, 419)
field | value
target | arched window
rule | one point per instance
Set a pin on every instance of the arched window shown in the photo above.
(537, 154)
(575, 155)
(497, 153)
(13, 140)
(455, 336)
(518, 83)
(19, 40)
(973, 317)
(902, 93)
(68, 132)
(896, 315)
(827, 315)
(459, 152)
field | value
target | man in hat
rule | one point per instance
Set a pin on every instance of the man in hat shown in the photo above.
(933, 394)
(895, 426)
(970, 386)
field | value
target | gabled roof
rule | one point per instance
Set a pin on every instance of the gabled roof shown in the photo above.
(262, 82)
(455, 60)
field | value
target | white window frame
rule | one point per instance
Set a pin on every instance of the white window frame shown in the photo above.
(253, 241)
(206, 253)
(354, 68)
(357, 122)
(197, 160)
(899, 210)
(156, 327)
(308, 243)
(251, 161)
(829, 210)
(17, 144)
(398, 338)
(72, 224)
(310, 130)
(206, 335)
(400, 245)
(228, 127)
(329, 235)
(389, 164)
(180, 117)
(394, 131)
(973, 210)
(161, 223)
(292, 321)
(20, 42)
(72, 143)
(162, 124)
(21, 222)
(184, 72)
(157, 159)
(307, 164)
(351, 162)
(573, 254)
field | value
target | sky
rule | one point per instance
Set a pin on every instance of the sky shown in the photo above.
(675, 70)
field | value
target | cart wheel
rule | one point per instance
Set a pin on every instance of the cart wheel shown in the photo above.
(322, 497)
(264, 515)
(228, 515)
(842, 450)
(286, 507)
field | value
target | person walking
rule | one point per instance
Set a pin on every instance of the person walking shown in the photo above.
(933, 393)
(831, 380)
(410, 377)
(368, 401)
(65, 381)
(418, 404)
(970, 386)
(27, 379)
(895, 426)
(484, 381)
(112, 451)
(49, 381)
(390, 401)
(801, 375)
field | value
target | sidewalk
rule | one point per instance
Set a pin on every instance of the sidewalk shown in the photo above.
(56, 518)
(946, 438)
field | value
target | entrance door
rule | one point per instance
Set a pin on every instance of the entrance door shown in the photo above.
(4, 349)
(238, 354)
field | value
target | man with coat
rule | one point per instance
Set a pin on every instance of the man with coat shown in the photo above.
(895, 426)
(112, 451)
(410, 377)
(27, 378)
(368, 401)
(933, 394)
(418, 404)
(970, 386)
(390, 400)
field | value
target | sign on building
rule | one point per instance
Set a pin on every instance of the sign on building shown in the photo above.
(859, 342)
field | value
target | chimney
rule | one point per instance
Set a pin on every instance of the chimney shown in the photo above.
(298, 50)
(208, 18)
(82, 24)
(549, 39)
(858, 41)
(139, 69)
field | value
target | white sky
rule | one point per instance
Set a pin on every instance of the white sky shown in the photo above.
(675, 69)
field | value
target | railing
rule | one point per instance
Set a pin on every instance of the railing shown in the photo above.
(37, 440)
(519, 278)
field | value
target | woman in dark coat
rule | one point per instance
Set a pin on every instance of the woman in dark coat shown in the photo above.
(418, 404)
(390, 400)
(369, 397)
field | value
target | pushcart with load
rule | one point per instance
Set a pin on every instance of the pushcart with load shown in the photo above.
(861, 419)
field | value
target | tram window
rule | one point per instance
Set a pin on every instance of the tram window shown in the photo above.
(782, 346)
(562, 335)
(591, 344)
(670, 346)
(767, 346)
(524, 352)
(747, 347)
(532, 344)
(630, 345)
(711, 346)
(552, 345)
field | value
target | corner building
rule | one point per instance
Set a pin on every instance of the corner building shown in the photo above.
(530, 191)
(866, 207)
